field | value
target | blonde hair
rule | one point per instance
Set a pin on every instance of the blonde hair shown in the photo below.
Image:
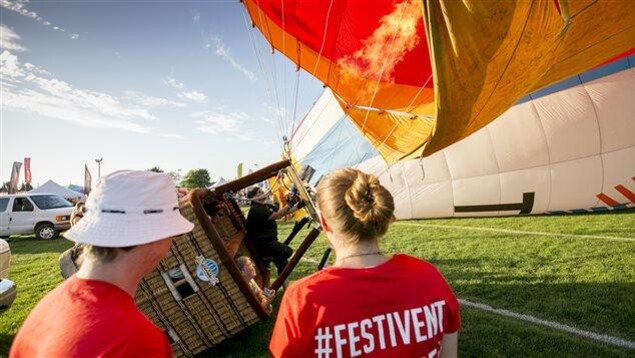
(355, 204)
(242, 261)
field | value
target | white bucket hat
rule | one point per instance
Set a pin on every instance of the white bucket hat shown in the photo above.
(128, 208)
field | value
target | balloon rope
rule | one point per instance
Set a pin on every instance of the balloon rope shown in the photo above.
(297, 88)
(407, 110)
(280, 113)
(268, 86)
(295, 102)
(417, 95)
(297, 127)
(423, 170)
(305, 134)
(284, 73)
(274, 80)
(383, 69)
(326, 24)
(281, 110)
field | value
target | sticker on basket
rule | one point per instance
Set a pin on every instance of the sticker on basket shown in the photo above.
(176, 273)
(206, 270)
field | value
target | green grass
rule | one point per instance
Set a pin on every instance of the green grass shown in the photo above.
(588, 283)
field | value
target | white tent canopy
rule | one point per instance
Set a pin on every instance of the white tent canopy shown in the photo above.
(51, 187)
(220, 181)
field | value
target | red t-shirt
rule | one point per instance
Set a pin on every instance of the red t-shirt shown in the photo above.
(400, 308)
(88, 318)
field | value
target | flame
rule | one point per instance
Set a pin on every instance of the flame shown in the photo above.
(395, 36)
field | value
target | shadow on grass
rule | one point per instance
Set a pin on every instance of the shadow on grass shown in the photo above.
(603, 307)
(486, 335)
(252, 342)
(5, 343)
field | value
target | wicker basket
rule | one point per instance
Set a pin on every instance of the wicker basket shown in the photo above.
(196, 314)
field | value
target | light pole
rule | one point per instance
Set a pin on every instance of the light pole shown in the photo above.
(98, 161)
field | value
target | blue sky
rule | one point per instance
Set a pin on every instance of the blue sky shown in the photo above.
(172, 84)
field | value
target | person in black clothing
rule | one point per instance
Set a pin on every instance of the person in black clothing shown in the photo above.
(262, 229)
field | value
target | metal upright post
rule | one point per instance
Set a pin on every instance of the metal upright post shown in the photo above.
(98, 161)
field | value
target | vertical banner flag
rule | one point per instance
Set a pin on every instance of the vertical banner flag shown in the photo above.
(15, 177)
(239, 171)
(27, 170)
(87, 180)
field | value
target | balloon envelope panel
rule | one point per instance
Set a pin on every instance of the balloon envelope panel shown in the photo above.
(567, 148)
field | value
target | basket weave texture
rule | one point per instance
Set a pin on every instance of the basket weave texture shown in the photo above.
(198, 320)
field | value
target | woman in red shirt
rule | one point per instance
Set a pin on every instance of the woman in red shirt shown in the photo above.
(366, 303)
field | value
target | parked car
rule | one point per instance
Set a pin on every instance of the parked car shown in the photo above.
(8, 289)
(43, 214)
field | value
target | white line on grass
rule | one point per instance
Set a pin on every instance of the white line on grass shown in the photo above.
(538, 233)
(623, 343)
(615, 341)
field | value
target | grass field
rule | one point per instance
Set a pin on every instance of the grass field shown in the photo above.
(575, 270)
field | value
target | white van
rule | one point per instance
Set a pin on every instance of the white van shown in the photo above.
(43, 214)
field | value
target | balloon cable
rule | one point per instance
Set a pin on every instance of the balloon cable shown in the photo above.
(268, 86)
(326, 25)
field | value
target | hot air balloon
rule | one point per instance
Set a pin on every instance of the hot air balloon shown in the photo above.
(567, 148)
(411, 73)
(408, 79)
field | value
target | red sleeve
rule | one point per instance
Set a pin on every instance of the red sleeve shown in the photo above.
(453, 323)
(454, 315)
(285, 331)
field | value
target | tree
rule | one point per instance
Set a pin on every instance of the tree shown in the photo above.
(176, 176)
(196, 178)
(155, 169)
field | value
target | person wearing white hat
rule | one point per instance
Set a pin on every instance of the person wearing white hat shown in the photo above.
(127, 229)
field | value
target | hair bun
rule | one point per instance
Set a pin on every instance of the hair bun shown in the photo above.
(355, 204)
(367, 200)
